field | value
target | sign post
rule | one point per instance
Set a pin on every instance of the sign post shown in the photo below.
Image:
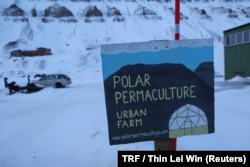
(177, 37)
(177, 19)
(171, 144)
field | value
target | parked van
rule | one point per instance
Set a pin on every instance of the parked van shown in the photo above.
(53, 80)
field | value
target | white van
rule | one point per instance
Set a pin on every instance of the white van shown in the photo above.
(53, 80)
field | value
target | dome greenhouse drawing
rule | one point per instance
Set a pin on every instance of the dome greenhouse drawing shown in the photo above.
(188, 120)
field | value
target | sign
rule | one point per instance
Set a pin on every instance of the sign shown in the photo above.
(159, 89)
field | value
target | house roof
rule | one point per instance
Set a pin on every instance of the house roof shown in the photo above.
(243, 25)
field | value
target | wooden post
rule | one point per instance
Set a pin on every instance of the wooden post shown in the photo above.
(171, 144)
(165, 145)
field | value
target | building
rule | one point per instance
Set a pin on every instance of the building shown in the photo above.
(237, 51)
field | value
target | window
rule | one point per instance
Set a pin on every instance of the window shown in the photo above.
(246, 36)
(239, 37)
(233, 39)
(227, 43)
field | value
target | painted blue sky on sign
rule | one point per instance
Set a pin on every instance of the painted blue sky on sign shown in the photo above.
(191, 57)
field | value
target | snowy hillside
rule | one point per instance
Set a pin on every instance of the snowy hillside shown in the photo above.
(68, 127)
(74, 30)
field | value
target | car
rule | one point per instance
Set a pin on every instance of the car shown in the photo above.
(53, 80)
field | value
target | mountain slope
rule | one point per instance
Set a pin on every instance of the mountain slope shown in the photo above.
(74, 30)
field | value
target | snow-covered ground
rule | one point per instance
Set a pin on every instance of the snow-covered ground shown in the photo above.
(68, 127)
